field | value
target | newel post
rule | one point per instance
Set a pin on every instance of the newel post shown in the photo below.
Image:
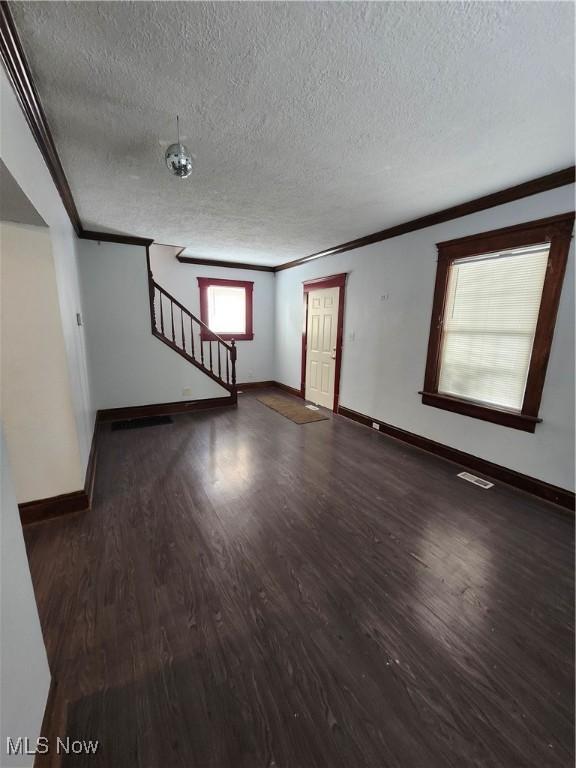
(233, 352)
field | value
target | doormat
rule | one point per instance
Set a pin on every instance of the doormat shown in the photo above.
(149, 421)
(296, 412)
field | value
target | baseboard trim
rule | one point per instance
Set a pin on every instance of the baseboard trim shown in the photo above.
(265, 384)
(256, 384)
(92, 460)
(560, 496)
(66, 503)
(164, 409)
(39, 510)
(55, 506)
(286, 388)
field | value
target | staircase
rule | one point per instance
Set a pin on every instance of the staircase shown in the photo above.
(184, 333)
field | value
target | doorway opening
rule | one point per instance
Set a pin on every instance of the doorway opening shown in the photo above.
(322, 338)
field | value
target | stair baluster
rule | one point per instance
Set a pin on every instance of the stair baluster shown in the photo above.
(233, 362)
(168, 334)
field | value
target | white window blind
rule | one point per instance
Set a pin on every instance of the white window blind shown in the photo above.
(226, 309)
(491, 311)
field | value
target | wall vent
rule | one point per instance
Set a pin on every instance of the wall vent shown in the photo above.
(476, 480)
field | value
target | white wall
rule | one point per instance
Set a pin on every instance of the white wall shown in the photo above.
(24, 667)
(35, 387)
(128, 365)
(386, 323)
(24, 161)
(255, 357)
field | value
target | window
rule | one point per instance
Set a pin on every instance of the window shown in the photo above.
(226, 308)
(493, 318)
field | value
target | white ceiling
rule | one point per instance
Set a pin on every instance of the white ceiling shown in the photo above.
(311, 123)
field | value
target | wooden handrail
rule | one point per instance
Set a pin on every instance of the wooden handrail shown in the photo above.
(173, 334)
(214, 336)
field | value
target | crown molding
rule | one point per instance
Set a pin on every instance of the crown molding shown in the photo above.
(228, 264)
(528, 188)
(20, 76)
(111, 237)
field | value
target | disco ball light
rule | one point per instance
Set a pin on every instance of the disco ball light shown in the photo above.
(179, 160)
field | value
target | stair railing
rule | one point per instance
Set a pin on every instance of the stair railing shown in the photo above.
(183, 332)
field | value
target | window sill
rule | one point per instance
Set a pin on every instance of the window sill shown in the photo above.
(207, 336)
(485, 413)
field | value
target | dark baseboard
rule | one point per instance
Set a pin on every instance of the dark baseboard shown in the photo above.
(286, 388)
(55, 506)
(81, 501)
(266, 384)
(553, 493)
(66, 503)
(92, 459)
(162, 409)
(256, 384)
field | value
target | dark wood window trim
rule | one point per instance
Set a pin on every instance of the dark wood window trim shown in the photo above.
(557, 230)
(333, 281)
(206, 282)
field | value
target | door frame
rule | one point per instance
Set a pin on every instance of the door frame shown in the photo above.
(332, 281)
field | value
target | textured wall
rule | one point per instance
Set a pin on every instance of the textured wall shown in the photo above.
(387, 320)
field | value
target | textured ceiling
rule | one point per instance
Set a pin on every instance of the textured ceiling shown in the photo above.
(311, 123)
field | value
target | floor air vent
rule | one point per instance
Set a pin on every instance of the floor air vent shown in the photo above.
(476, 480)
(150, 421)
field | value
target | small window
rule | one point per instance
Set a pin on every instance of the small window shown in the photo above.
(493, 319)
(226, 308)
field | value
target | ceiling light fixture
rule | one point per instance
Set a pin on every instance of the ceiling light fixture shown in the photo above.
(177, 157)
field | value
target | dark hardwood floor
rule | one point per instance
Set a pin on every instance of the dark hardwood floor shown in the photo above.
(250, 593)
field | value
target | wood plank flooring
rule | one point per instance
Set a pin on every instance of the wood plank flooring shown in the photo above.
(250, 593)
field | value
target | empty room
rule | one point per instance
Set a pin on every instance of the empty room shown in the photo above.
(287, 375)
